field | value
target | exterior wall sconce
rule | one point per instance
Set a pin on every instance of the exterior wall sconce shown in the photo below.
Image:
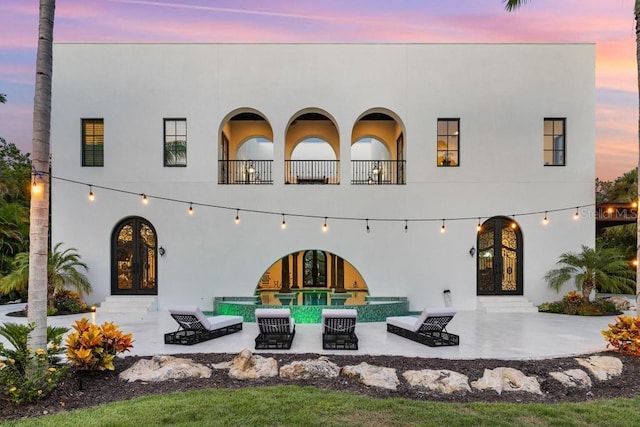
(472, 251)
(162, 251)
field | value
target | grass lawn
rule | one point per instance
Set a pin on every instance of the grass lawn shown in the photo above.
(308, 406)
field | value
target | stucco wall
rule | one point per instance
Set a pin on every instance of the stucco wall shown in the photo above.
(501, 93)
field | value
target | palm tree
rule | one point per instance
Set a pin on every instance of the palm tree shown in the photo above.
(62, 271)
(604, 268)
(39, 213)
(514, 4)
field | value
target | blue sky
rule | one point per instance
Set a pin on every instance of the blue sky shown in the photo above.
(608, 23)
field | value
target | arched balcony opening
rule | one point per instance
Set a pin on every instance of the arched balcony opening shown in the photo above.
(377, 150)
(245, 154)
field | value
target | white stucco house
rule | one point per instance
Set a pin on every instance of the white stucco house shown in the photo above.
(399, 170)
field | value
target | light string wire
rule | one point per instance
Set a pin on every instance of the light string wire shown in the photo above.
(312, 216)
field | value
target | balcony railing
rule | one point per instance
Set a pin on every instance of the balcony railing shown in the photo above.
(378, 172)
(245, 171)
(312, 171)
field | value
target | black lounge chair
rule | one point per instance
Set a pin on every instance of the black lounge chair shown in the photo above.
(338, 329)
(194, 327)
(428, 329)
(276, 328)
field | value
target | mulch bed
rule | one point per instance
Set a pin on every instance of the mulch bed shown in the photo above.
(102, 387)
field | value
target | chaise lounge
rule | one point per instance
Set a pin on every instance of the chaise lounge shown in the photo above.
(338, 329)
(194, 327)
(276, 328)
(428, 329)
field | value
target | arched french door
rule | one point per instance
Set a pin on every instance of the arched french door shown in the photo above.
(315, 269)
(499, 259)
(134, 255)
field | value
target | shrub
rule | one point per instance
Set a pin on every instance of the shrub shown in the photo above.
(68, 302)
(574, 303)
(93, 348)
(624, 335)
(27, 376)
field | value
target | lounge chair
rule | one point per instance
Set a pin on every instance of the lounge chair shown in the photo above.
(195, 327)
(276, 328)
(338, 329)
(429, 328)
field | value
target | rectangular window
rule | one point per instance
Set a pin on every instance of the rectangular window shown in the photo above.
(175, 142)
(448, 142)
(92, 142)
(554, 142)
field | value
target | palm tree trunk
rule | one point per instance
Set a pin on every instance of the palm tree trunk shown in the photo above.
(39, 214)
(636, 14)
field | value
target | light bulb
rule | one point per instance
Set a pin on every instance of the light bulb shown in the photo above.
(576, 216)
(237, 220)
(145, 201)
(443, 228)
(324, 226)
(283, 225)
(545, 221)
(190, 209)
(91, 196)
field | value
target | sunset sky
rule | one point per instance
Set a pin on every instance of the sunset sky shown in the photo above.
(607, 23)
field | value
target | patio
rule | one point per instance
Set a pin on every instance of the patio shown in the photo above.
(482, 335)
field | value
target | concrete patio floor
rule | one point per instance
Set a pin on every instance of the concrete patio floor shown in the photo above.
(482, 336)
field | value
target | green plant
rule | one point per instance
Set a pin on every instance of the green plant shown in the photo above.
(26, 376)
(605, 268)
(68, 302)
(624, 335)
(573, 303)
(93, 348)
(62, 271)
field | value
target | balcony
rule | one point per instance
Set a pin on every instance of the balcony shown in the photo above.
(312, 171)
(246, 172)
(378, 172)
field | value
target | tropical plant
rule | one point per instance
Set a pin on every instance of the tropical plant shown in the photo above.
(624, 335)
(25, 375)
(604, 268)
(93, 348)
(62, 271)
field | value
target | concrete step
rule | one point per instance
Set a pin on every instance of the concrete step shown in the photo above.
(506, 304)
(128, 304)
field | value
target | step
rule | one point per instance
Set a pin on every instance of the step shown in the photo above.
(128, 304)
(506, 304)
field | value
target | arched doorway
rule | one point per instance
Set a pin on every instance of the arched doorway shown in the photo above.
(134, 255)
(499, 260)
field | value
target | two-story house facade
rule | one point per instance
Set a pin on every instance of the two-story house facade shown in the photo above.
(367, 169)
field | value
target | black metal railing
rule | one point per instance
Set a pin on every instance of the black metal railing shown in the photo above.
(312, 171)
(245, 171)
(378, 172)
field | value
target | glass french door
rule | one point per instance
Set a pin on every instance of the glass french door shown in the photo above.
(499, 261)
(134, 267)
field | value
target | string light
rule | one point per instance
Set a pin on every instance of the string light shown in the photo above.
(576, 215)
(514, 225)
(443, 228)
(145, 199)
(324, 226)
(545, 220)
(634, 204)
(479, 226)
(283, 225)
(406, 226)
(190, 208)
(36, 189)
(91, 196)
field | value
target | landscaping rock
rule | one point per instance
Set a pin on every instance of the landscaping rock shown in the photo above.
(374, 376)
(507, 379)
(573, 378)
(248, 366)
(309, 369)
(602, 367)
(162, 368)
(440, 380)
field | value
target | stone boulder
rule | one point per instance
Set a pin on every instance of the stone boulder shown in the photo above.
(507, 379)
(308, 369)
(249, 366)
(602, 367)
(440, 380)
(162, 368)
(572, 378)
(373, 376)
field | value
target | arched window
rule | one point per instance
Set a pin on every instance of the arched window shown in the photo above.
(315, 269)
